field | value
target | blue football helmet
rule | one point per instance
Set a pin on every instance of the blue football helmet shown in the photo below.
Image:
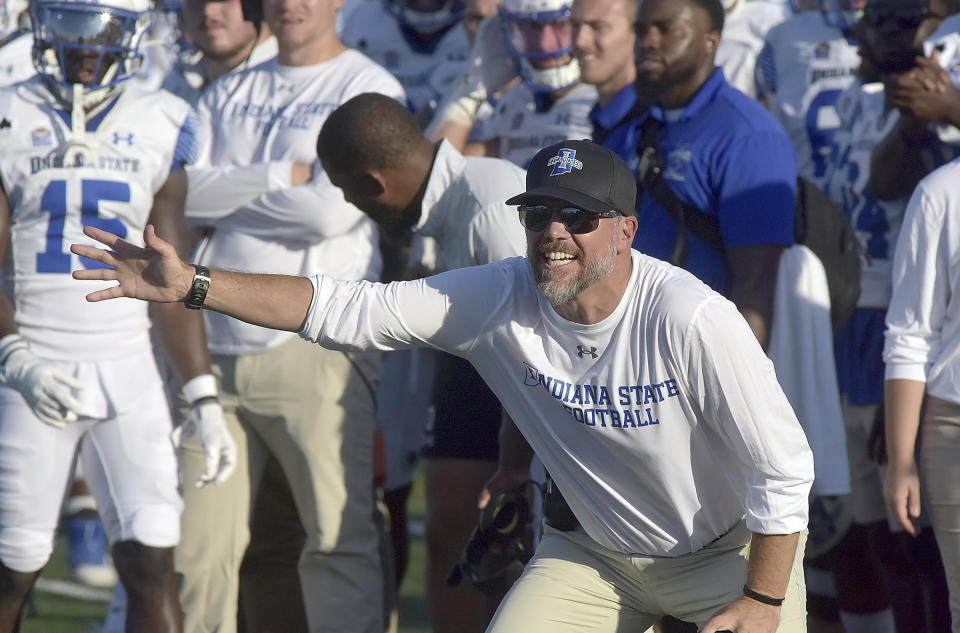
(840, 14)
(426, 17)
(93, 44)
(539, 35)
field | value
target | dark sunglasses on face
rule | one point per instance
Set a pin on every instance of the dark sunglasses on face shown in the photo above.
(576, 220)
(907, 18)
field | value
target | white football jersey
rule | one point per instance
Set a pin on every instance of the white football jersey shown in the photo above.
(523, 130)
(132, 143)
(744, 30)
(374, 31)
(16, 59)
(864, 123)
(803, 68)
(946, 40)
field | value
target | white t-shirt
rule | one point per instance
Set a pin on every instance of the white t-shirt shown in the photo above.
(802, 69)
(744, 30)
(374, 31)
(187, 79)
(523, 129)
(923, 321)
(134, 141)
(257, 123)
(662, 425)
(464, 210)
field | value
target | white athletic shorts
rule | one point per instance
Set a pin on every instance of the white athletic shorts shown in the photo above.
(128, 461)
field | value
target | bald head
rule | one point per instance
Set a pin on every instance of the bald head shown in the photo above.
(370, 131)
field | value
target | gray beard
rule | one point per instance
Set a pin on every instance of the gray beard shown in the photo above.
(560, 292)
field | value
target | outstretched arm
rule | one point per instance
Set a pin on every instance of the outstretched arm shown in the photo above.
(156, 273)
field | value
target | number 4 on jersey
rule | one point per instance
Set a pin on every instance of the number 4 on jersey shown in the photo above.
(54, 202)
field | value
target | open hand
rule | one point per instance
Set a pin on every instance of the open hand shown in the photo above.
(153, 273)
(901, 491)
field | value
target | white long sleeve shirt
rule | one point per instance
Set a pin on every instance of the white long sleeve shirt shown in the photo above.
(662, 425)
(464, 210)
(923, 320)
(255, 124)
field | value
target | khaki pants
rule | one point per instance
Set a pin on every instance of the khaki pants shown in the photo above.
(572, 584)
(940, 468)
(314, 412)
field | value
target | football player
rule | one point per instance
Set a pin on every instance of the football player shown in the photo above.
(550, 104)
(85, 145)
(411, 38)
(806, 62)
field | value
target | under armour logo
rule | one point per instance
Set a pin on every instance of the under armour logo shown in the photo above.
(581, 350)
(117, 137)
(564, 162)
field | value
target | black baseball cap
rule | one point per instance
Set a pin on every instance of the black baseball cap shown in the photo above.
(582, 173)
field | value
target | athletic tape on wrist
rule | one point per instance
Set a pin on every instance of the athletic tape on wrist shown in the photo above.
(9, 344)
(198, 388)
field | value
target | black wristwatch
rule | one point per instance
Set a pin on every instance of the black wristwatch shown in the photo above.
(198, 291)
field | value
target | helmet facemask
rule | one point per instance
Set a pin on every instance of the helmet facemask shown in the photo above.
(426, 17)
(539, 35)
(85, 50)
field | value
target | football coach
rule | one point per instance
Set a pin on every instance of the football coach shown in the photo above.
(644, 393)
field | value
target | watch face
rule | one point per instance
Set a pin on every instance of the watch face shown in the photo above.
(198, 291)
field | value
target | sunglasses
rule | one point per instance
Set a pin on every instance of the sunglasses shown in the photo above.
(907, 18)
(576, 220)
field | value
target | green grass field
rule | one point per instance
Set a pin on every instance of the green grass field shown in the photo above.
(54, 612)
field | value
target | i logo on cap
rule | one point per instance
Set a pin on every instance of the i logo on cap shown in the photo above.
(564, 162)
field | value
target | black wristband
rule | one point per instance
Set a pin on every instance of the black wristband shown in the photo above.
(204, 400)
(198, 291)
(760, 597)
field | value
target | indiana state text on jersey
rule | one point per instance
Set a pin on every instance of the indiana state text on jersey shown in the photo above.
(576, 399)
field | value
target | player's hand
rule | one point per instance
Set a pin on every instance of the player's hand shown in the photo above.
(152, 273)
(901, 491)
(206, 421)
(926, 92)
(47, 390)
(490, 68)
(744, 615)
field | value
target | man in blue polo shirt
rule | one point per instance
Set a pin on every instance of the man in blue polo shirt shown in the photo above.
(723, 154)
(603, 44)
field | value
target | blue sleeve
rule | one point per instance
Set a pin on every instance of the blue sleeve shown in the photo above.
(187, 148)
(756, 183)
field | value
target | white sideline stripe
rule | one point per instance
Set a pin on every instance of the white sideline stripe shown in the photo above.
(73, 590)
